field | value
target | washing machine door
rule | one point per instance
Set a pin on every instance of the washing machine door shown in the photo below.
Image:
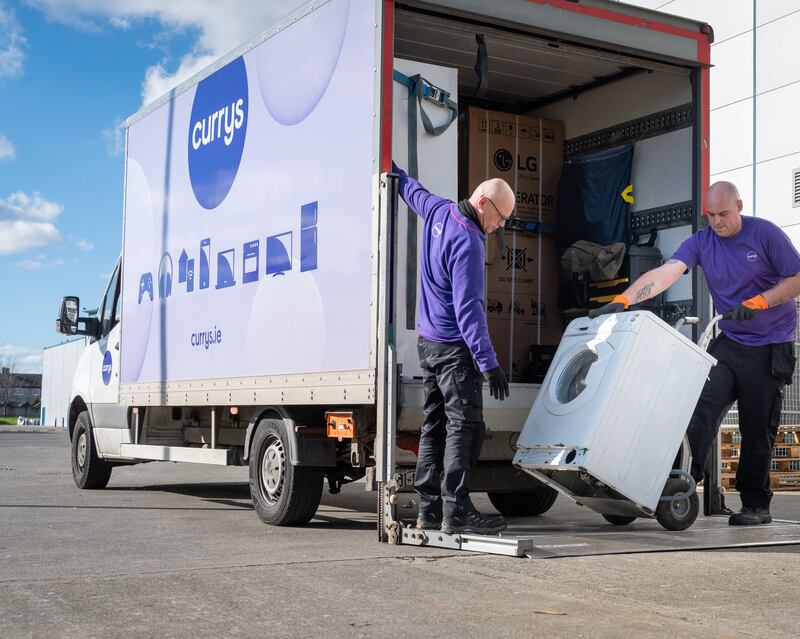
(577, 377)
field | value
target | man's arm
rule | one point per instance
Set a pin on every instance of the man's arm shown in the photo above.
(648, 285)
(416, 196)
(466, 277)
(785, 290)
(656, 281)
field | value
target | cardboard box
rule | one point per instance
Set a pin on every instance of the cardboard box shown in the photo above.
(522, 300)
(488, 143)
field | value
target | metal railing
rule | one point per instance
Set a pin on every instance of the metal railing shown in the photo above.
(790, 415)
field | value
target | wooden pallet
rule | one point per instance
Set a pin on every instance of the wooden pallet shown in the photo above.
(777, 481)
(785, 473)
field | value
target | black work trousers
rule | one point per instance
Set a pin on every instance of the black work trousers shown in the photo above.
(755, 377)
(452, 433)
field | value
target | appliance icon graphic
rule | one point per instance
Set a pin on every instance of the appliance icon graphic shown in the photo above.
(165, 277)
(250, 261)
(279, 254)
(190, 275)
(182, 260)
(308, 237)
(146, 286)
(225, 268)
(205, 256)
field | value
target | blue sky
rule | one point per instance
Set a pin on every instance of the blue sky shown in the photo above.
(71, 71)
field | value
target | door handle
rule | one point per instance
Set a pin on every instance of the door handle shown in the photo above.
(116, 346)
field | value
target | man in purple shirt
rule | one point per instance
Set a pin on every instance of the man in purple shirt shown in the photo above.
(753, 274)
(454, 348)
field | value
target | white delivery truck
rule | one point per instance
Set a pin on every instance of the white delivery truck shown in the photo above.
(263, 310)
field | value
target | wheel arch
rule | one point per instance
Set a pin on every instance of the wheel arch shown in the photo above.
(306, 451)
(76, 408)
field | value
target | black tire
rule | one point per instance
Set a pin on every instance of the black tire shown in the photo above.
(283, 495)
(524, 504)
(677, 515)
(88, 470)
(619, 520)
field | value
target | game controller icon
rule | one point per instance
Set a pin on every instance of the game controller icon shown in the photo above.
(146, 285)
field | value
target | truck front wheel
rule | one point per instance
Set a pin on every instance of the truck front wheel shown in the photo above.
(283, 495)
(524, 504)
(88, 470)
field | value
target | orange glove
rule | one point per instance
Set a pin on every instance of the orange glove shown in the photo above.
(618, 304)
(757, 303)
(621, 299)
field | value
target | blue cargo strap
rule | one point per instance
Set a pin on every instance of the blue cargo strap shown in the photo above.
(419, 88)
(520, 224)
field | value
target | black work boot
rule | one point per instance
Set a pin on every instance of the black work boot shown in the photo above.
(473, 522)
(429, 521)
(748, 516)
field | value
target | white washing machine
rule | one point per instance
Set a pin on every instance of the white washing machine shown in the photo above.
(612, 412)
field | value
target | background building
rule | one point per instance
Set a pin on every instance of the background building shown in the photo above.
(20, 393)
(58, 367)
(755, 95)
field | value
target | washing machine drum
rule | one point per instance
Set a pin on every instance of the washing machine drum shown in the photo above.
(577, 375)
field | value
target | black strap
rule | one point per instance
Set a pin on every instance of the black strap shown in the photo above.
(481, 66)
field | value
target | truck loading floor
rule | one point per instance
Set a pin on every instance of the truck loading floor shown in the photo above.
(576, 532)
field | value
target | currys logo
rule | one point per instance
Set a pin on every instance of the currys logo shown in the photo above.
(217, 131)
(752, 256)
(107, 368)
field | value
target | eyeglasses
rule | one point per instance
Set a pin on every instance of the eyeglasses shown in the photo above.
(505, 218)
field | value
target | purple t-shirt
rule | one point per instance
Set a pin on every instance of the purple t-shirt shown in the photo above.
(451, 274)
(739, 267)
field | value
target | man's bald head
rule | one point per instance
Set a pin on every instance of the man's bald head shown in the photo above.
(722, 190)
(723, 208)
(494, 201)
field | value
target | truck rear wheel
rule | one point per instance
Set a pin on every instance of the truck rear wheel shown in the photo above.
(524, 504)
(283, 495)
(88, 470)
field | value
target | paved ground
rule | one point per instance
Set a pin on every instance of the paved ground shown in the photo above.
(175, 550)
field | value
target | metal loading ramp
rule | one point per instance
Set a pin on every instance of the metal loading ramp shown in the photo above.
(590, 535)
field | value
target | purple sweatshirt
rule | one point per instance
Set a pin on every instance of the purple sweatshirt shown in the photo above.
(451, 274)
(739, 267)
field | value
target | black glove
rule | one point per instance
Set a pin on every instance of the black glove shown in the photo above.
(740, 312)
(608, 309)
(619, 304)
(498, 386)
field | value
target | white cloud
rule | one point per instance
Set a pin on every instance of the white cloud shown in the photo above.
(84, 245)
(26, 221)
(7, 150)
(158, 81)
(32, 207)
(222, 25)
(20, 235)
(114, 138)
(24, 360)
(39, 263)
(12, 43)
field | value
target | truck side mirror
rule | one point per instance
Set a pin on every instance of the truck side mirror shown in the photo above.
(69, 319)
(67, 322)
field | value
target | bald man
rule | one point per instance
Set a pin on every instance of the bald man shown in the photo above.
(753, 273)
(455, 350)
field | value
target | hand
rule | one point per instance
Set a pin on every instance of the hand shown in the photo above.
(747, 310)
(740, 312)
(498, 385)
(619, 304)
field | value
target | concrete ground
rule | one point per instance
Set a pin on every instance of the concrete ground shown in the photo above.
(176, 550)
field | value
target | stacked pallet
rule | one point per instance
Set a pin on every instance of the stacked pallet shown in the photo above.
(785, 473)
